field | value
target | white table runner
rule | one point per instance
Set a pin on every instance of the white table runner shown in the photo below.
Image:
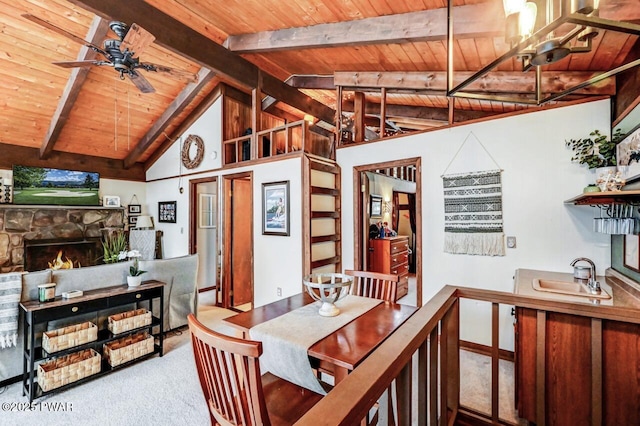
(286, 339)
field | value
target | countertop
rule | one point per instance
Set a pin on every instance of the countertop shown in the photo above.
(625, 293)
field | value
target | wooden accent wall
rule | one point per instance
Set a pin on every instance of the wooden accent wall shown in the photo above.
(236, 118)
(573, 369)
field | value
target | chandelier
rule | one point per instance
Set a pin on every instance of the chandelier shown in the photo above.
(539, 33)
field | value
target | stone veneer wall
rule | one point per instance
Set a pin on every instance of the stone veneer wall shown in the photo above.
(20, 222)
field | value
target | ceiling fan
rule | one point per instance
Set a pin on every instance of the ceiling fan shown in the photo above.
(120, 53)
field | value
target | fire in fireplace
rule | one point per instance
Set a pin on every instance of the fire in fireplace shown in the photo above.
(61, 253)
(67, 263)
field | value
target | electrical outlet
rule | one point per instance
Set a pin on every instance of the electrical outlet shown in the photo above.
(511, 242)
(279, 291)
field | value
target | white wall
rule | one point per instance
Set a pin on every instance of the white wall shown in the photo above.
(125, 189)
(538, 176)
(208, 127)
(277, 259)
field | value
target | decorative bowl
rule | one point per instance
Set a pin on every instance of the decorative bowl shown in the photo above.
(328, 288)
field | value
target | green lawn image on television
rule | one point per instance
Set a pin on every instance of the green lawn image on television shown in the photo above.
(37, 185)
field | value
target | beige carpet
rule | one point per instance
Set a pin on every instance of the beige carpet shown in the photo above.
(475, 386)
(166, 391)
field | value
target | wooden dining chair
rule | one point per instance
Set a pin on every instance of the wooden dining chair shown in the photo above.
(374, 284)
(235, 392)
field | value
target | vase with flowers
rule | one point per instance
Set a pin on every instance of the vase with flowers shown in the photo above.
(134, 278)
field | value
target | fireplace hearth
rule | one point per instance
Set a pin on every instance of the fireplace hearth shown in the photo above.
(45, 254)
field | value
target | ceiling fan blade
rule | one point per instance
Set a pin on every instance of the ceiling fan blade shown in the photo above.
(140, 82)
(65, 33)
(137, 39)
(173, 72)
(73, 64)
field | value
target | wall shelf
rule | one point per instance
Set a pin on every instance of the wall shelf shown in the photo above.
(608, 197)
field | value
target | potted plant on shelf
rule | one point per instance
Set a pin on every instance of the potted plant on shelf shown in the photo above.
(134, 279)
(597, 152)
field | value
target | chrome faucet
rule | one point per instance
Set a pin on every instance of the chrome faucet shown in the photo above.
(593, 284)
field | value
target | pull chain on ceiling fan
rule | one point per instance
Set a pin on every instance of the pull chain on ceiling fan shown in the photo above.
(115, 116)
(120, 53)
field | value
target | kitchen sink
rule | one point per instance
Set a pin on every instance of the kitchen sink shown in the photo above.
(573, 288)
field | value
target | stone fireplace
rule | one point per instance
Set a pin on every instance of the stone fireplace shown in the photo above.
(45, 228)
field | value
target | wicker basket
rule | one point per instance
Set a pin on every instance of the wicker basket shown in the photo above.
(68, 369)
(68, 337)
(128, 348)
(130, 320)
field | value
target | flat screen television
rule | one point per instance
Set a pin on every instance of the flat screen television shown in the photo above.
(38, 185)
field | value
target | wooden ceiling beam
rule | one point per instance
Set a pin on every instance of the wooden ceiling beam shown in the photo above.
(107, 167)
(97, 32)
(416, 112)
(628, 82)
(478, 20)
(183, 40)
(494, 82)
(197, 112)
(181, 101)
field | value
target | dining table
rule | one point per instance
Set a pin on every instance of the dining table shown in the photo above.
(341, 350)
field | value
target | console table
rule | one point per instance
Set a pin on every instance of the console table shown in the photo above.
(34, 313)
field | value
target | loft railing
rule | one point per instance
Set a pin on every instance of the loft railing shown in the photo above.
(291, 137)
(432, 335)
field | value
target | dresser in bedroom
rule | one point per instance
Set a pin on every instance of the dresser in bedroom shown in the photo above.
(390, 255)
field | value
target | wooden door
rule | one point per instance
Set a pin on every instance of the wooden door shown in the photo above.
(238, 252)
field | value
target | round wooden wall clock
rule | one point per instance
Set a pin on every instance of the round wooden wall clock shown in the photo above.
(189, 161)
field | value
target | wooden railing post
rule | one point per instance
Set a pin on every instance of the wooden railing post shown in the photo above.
(433, 376)
(450, 364)
(495, 361)
(541, 329)
(403, 392)
(423, 383)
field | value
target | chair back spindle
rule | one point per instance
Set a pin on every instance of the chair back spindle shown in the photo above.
(374, 284)
(229, 373)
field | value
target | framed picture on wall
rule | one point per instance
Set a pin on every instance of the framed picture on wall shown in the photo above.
(275, 208)
(167, 211)
(628, 155)
(134, 208)
(631, 257)
(375, 208)
(111, 201)
(133, 220)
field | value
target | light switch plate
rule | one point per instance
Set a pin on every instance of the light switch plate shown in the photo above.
(511, 242)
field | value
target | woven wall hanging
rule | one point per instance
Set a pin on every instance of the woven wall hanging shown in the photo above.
(473, 211)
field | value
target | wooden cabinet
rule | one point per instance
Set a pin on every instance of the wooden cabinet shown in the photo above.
(589, 368)
(391, 256)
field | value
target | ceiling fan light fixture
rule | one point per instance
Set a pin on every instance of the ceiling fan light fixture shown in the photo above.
(549, 51)
(120, 28)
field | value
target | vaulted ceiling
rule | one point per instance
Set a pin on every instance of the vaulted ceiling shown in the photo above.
(297, 51)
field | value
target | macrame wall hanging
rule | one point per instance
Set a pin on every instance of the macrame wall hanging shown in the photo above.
(473, 209)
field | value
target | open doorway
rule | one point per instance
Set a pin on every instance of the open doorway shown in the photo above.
(237, 250)
(204, 237)
(390, 192)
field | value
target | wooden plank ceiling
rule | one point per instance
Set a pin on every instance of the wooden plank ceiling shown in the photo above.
(299, 50)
